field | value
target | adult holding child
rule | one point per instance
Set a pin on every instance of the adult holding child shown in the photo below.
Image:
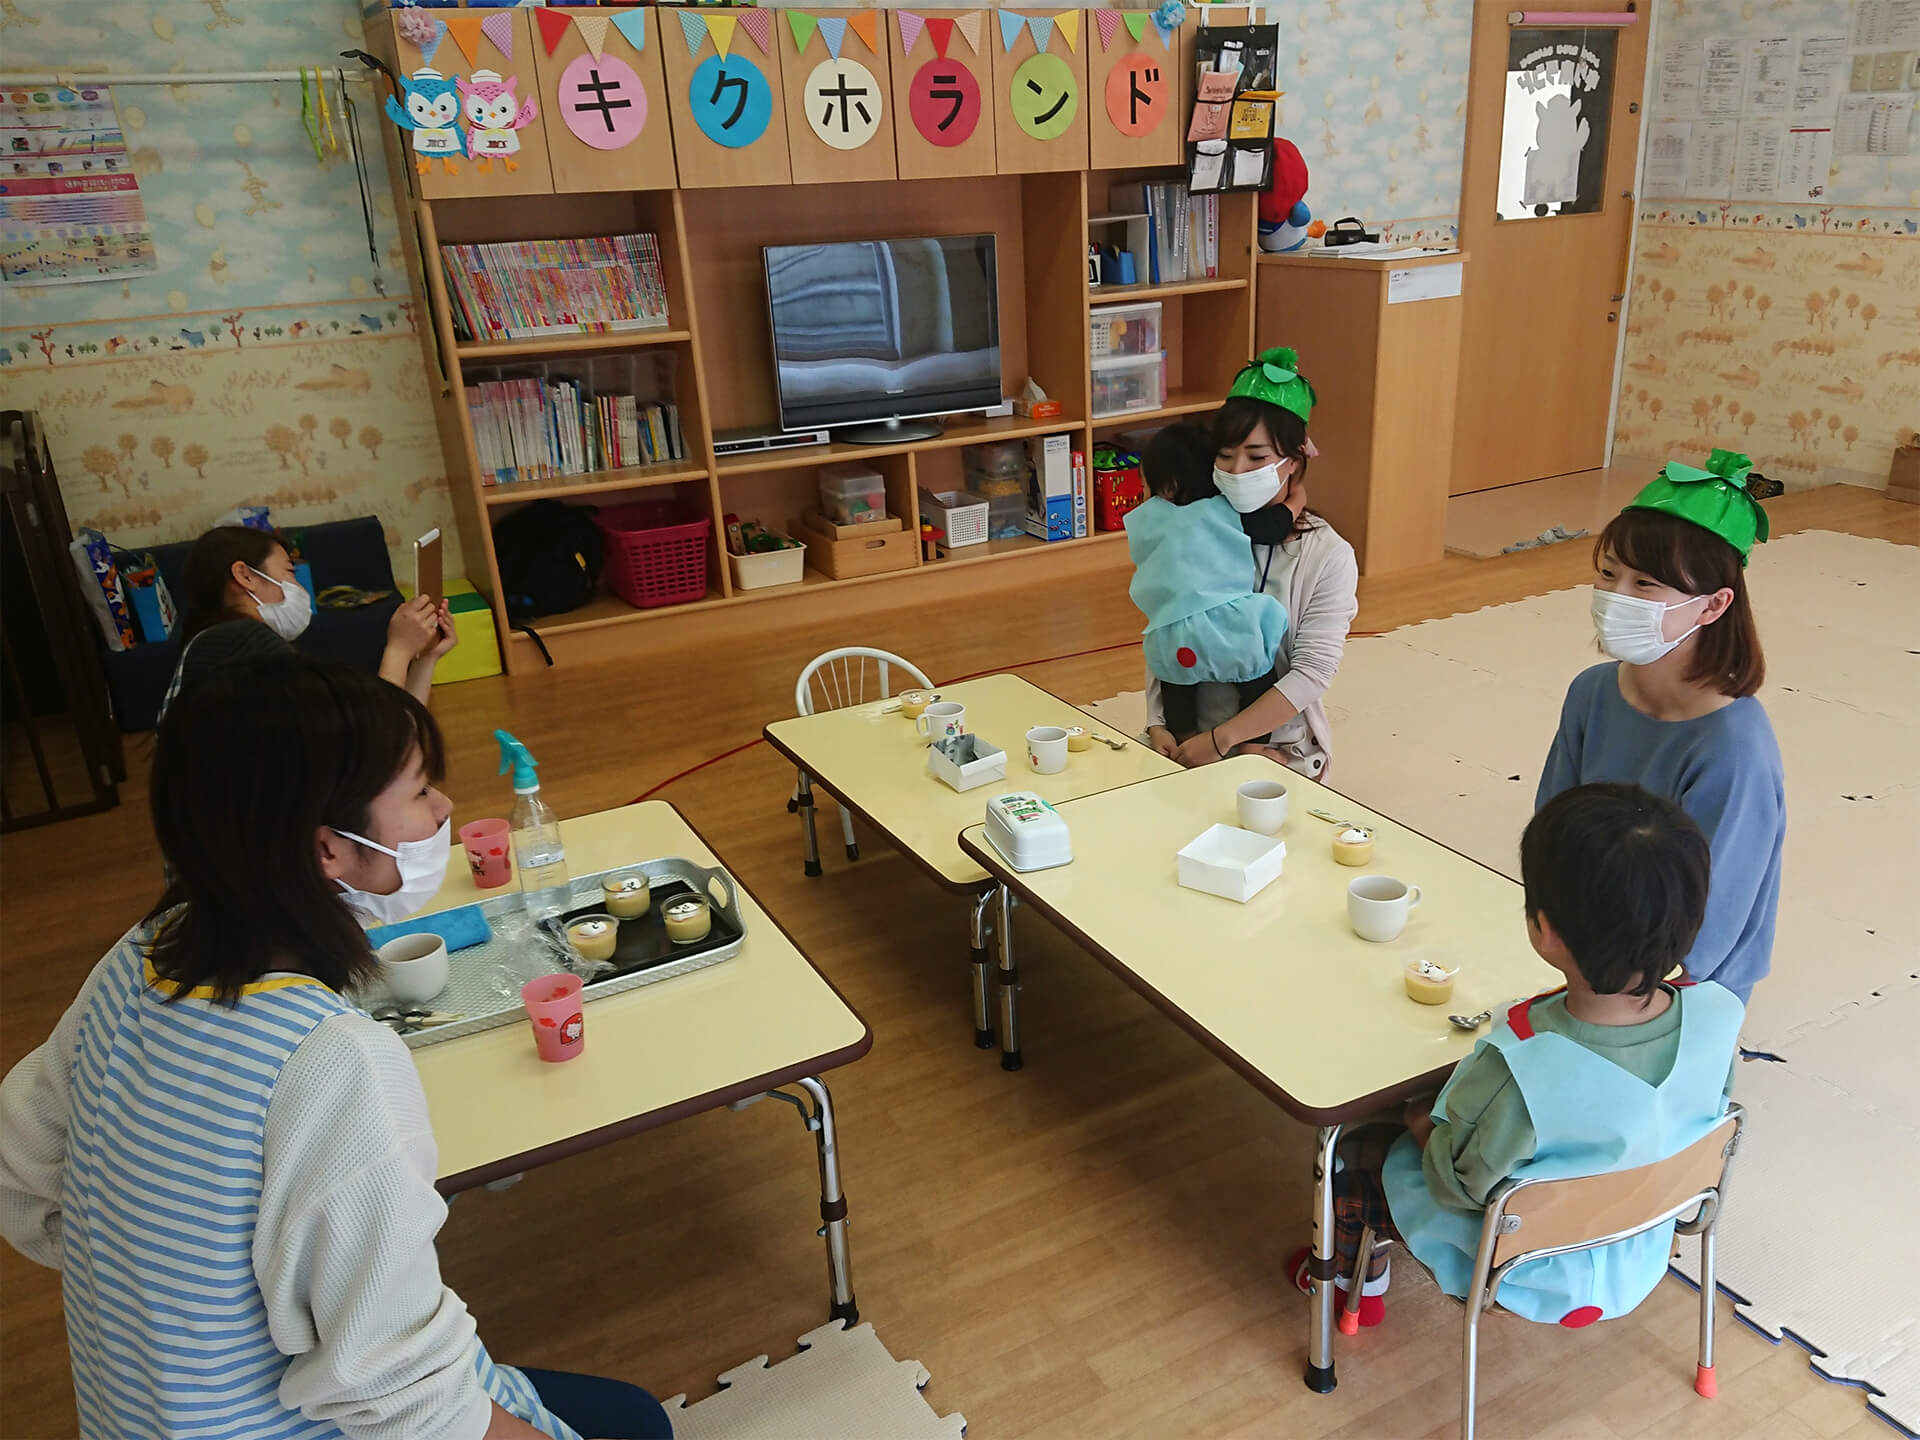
(1261, 451)
(1673, 708)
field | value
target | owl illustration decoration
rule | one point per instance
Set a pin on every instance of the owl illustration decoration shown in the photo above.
(432, 113)
(494, 113)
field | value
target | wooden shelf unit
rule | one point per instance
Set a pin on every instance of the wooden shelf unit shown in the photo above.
(717, 337)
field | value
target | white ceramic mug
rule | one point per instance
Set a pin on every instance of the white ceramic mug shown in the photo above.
(942, 720)
(1378, 906)
(1262, 805)
(414, 968)
(1047, 749)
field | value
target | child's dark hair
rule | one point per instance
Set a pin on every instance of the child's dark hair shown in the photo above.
(1691, 558)
(1178, 464)
(250, 763)
(1621, 875)
(210, 566)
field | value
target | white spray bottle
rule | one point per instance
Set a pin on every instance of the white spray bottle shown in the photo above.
(538, 853)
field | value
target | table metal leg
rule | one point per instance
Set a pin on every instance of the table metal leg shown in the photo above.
(1321, 1265)
(982, 1018)
(833, 1201)
(1009, 984)
(803, 802)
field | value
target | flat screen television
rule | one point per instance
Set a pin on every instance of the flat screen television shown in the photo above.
(873, 333)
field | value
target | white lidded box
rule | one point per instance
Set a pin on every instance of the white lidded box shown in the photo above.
(1027, 831)
(1230, 862)
(966, 761)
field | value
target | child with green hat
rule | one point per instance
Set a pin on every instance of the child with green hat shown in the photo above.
(1675, 712)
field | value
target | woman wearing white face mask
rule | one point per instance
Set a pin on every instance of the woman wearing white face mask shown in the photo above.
(1673, 709)
(1261, 452)
(242, 602)
(233, 1167)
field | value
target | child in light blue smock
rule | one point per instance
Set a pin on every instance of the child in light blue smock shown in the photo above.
(1616, 1071)
(1194, 580)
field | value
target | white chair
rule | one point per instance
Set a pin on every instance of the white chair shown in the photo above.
(1534, 1219)
(852, 675)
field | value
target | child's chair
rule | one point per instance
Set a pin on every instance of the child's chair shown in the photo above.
(1534, 1219)
(840, 678)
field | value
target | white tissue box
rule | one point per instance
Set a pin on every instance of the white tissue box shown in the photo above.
(966, 761)
(1027, 831)
(1230, 862)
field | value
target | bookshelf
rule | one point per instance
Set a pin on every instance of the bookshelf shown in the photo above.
(711, 219)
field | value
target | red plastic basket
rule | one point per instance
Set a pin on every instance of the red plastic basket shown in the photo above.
(656, 555)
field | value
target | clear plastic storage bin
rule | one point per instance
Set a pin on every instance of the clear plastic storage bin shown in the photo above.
(1119, 330)
(1121, 386)
(852, 494)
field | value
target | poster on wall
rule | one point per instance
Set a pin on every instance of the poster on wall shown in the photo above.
(70, 206)
(1553, 142)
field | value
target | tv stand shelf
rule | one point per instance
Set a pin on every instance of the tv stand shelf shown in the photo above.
(713, 358)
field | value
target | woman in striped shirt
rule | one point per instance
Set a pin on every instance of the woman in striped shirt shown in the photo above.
(230, 1165)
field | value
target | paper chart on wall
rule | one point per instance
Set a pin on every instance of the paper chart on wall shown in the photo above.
(1880, 70)
(1679, 92)
(1820, 76)
(1808, 163)
(1886, 25)
(1723, 75)
(1710, 175)
(70, 206)
(1874, 125)
(1770, 75)
(1669, 153)
(1757, 153)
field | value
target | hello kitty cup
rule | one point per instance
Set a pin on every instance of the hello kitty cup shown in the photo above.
(554, 1006)
(489, 852)
(942, 720)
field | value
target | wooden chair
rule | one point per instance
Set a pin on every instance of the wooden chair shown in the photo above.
(840, 678)
(1535, 1219)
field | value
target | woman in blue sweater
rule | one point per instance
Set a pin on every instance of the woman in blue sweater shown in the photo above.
(1676, 713)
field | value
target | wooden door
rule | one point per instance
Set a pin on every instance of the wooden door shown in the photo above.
(1543, 297)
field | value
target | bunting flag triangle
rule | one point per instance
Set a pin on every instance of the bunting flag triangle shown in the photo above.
(498, 27)
(1010, 26)
(1136, 23)
(632, 25)
(866, 24)
(553, 28)
(1042, 28)
(910, 26)
(940, 27)
(593, 30)
(1108, 22)
(439, 34)
(1067, 22)
(833, 30)
(969, 27)
(465, 30)
(721, 28)
(759, 27)
(1166, 34)
(693, 25)
(802, 25)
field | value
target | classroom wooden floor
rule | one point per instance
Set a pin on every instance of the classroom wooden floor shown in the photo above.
(1090, 1248)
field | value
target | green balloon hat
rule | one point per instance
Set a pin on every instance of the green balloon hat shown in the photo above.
(1715, 499)
(1275, 377)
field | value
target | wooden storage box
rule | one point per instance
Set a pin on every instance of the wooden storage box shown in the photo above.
(875, 551)
(865, 530)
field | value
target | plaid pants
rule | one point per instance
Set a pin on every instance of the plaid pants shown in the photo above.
(1359, 1199)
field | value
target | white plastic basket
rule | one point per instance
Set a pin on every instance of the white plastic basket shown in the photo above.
(769, 567)
(960, 516)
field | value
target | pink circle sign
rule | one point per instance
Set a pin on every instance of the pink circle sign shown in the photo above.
(602, 102)
(944, 101)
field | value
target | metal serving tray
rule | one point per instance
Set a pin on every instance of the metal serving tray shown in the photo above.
(483, 985)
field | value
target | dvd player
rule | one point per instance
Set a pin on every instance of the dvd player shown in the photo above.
(752, 438)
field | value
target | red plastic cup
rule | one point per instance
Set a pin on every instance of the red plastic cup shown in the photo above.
(554, 1006)
(489, 854)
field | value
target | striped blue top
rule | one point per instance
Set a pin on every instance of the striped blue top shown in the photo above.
(165, 1317)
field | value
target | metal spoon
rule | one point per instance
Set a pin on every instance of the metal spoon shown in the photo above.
(1110, 744)
(1470, 1022)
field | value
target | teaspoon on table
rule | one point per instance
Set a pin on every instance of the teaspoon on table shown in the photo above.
(1470, 1022)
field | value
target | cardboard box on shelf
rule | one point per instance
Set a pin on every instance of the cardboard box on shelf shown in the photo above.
(1050, 497)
